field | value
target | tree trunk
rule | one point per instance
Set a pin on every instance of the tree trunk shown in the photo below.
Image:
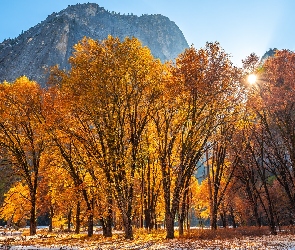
(234, 222)
(213, 218)
(180, 227)
(51, 214)
(150, 217)
(257, 217)
(116, 225)
(107, 222)
(272, 223)
(33, 223)
(109, 218)
(188, 214)
(169, 221)
(147, 219)
(183, 212)
(153, 223)
(90, 224)
(127, 224)
(90, 210)
(233, 218)
(106, 226)
(78, 222)
(181, 218)
(223, 219)
(126, 208)
(253, 198)
(69, 219)
(108, 232)
(264, 180)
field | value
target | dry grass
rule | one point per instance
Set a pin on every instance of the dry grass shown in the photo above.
(142, 237)
(225, 233)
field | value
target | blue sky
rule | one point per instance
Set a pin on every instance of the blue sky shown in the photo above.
(240, 26)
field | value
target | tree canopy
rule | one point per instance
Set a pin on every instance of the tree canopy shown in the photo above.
(120, 139)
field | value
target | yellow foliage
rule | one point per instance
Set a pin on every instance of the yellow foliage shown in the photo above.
(200, 199)
(16, 204)
(59, 222)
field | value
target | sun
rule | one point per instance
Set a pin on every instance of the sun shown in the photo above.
(252, 78)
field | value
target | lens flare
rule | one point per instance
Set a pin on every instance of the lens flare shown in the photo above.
(252, 78)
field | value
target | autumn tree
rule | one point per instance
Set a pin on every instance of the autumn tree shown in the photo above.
(277, 81)
(201, 89)
(115, 84)
(270, 143)
(21, 133)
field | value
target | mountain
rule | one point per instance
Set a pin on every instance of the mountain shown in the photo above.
(51, 42)
(271, 52)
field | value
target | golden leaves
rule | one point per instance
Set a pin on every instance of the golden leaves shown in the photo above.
(16, 205)
(119, 113)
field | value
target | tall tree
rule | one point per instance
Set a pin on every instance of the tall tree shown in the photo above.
(271, 99)
(115, 84)
(21, 133)
(278, 84)
(202, 88)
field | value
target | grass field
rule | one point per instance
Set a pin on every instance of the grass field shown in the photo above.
(241, 238)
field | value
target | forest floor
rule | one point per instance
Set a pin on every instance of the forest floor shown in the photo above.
(242, 238)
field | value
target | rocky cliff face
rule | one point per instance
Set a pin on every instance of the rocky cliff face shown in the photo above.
(51, 41)
(271, 52)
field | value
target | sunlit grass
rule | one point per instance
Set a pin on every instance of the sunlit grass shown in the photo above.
(141, 237)
(225, 233)
(142, 233)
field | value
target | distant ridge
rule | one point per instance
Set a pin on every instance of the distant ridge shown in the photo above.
(271, 52)
(51, 41)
